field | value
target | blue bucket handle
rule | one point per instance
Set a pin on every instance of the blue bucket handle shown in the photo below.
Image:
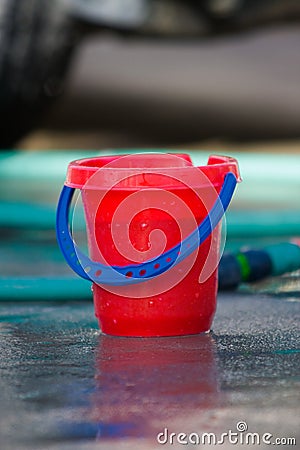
(136, 273)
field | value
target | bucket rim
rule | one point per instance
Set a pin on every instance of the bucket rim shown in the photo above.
(80, 171)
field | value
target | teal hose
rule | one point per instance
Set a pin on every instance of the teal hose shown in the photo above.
(44, 289)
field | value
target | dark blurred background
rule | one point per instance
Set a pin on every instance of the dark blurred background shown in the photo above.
(149, 73)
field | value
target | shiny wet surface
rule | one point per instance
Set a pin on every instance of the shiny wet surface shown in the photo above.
(64, 385)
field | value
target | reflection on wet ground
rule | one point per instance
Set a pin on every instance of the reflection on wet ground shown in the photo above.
(64, 385)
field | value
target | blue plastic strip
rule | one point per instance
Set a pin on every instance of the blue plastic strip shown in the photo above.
(64, 237)
(136, 273)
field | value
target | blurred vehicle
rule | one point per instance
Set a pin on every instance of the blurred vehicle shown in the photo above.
(39, 37)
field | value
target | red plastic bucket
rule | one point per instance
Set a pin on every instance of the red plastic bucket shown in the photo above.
(137, 207)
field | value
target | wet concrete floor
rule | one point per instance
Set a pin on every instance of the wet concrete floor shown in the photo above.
(66, 386)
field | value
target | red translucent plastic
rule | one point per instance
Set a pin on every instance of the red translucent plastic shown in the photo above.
(157, 307)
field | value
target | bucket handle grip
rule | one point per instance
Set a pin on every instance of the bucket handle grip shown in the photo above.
(136, 273)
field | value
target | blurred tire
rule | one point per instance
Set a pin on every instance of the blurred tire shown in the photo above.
(36, 43)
